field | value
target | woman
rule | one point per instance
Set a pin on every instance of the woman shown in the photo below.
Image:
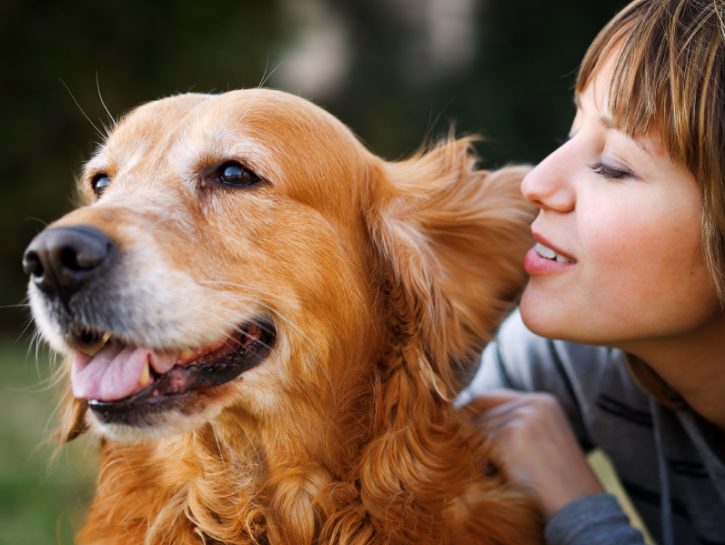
(628, 273)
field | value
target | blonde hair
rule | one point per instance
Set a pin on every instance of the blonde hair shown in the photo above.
(670, 77)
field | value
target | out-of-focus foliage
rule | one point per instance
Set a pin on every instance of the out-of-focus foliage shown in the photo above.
(396, 71)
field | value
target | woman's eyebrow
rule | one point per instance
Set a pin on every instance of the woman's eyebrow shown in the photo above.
(608, 122)
(605, 119)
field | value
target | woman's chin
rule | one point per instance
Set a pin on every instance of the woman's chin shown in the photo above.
(548, 316)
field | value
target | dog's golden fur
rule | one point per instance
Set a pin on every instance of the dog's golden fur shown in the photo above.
(382, 278)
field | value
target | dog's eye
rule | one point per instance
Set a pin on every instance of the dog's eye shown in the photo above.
(235, 174)
(99, 183)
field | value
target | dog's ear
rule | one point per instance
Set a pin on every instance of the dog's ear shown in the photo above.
(452, 239)
(449, 240)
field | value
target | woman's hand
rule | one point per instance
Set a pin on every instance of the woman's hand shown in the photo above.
(532, 437)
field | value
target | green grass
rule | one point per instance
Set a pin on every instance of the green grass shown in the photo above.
(40, 502)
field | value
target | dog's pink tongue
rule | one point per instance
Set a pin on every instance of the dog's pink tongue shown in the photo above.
(112, 374)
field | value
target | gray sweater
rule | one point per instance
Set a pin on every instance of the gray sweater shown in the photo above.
(668, 459)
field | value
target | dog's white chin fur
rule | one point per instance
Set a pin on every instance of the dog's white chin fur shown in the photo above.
(170, 423)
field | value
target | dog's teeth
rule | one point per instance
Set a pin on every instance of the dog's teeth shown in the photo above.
(187, 354)
(145, 378)
(93, 349)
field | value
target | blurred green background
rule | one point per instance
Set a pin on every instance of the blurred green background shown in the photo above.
(396, 71)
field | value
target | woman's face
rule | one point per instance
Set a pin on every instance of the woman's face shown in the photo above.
(624, 221)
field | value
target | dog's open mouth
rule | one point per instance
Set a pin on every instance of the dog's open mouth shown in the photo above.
(118, 379)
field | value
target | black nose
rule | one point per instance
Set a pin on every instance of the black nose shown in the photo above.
(61, 259)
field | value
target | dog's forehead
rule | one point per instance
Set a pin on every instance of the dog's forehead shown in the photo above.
(281, 123)
(247, 110)
(153, 120)
(143, 128)
(268, 117)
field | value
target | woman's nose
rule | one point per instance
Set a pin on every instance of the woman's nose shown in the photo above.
(549, 185)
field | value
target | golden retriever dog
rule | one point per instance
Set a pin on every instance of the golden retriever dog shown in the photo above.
(266, 324)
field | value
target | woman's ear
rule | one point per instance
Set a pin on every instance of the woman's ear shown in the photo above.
(453, 238)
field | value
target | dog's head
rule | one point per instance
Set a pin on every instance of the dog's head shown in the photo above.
(244, 254)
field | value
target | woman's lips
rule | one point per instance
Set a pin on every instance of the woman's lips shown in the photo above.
(545, 258)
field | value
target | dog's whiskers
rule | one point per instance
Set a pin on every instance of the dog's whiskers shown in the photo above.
(24, 331)
(103, 103)
(98, 131)
(266, 76)
(18, 305)
(41, 221)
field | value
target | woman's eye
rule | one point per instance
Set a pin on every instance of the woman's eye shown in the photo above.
(100, 182)
(235, 174)
(610, 172)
